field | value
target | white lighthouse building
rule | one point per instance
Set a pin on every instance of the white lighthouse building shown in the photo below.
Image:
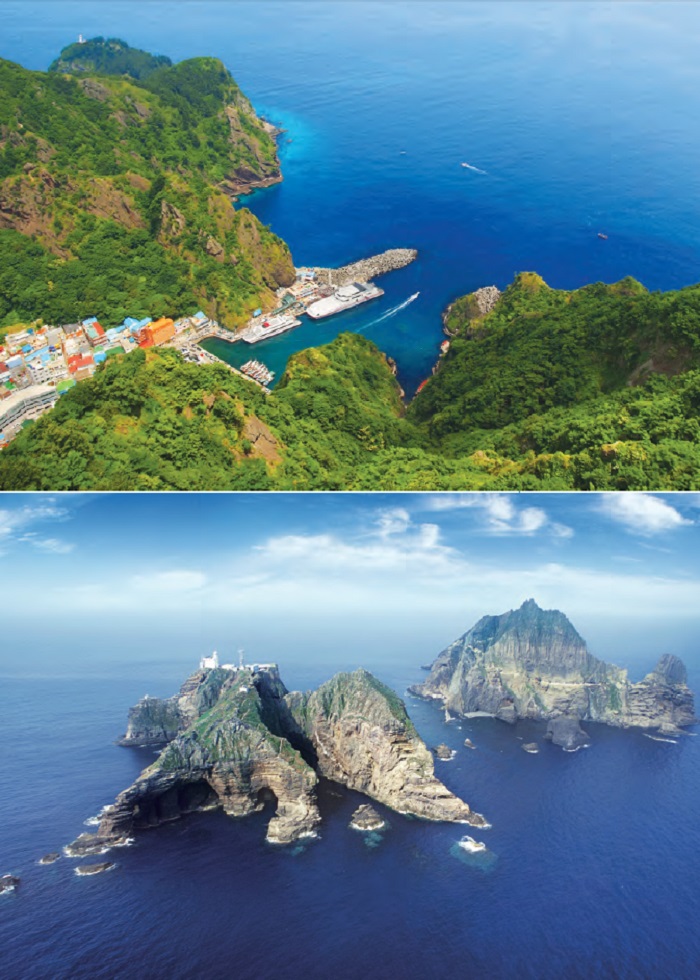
(209, 663)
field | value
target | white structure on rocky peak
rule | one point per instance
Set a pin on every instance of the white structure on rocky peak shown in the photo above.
(209, 663)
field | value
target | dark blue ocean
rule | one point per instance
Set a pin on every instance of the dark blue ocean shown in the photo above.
(583, 116)
(592, 870)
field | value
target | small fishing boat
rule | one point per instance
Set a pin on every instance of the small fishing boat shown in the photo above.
(602, 235)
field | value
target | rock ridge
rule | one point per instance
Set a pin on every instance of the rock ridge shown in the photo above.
(532, 663)
(236, 739)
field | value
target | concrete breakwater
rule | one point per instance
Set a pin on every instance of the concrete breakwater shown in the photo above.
(366, 269)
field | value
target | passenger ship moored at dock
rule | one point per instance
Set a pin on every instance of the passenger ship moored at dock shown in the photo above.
(344, 298)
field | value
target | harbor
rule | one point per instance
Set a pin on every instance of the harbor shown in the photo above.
(317, 293)
(321, 292)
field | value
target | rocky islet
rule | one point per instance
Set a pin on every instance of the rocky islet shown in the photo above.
(237, 739)
(532, 663)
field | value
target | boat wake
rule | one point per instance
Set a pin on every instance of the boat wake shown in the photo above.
(394, 310)
(468, 166)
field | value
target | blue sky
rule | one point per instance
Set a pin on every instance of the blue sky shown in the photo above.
(353, 578)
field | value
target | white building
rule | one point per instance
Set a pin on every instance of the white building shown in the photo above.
(209, 663)
(23, 405)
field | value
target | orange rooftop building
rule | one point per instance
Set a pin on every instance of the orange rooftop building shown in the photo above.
(158, 332)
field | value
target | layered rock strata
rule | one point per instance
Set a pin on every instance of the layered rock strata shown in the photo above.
(237, 739)
(531, 663)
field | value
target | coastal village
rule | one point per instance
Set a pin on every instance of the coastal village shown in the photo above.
(39, 364)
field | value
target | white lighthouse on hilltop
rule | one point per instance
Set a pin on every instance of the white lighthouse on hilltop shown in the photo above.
(209, 663)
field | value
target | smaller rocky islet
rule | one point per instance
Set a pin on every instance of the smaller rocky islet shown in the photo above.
(8, 883)
(85, 870)
(236, 738)
(366, 819)
(50, 858)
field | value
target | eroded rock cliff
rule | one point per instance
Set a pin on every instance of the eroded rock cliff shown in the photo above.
(236, 739)
(531, 663)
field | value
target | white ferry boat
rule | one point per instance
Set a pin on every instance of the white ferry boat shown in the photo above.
(344, 298)
(271, 327)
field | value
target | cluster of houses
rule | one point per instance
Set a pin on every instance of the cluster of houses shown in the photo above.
(39, 364)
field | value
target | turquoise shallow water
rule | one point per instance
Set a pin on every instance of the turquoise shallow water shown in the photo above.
(581, 114)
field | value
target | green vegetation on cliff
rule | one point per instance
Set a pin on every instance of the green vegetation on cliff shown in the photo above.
(116, 175)
(115, 191)
(149, 421)
(108, 56)
(595, 389)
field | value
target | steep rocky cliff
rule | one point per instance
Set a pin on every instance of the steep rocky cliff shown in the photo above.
(364, 739)
(531, 663)
(123, 166)
(238, 739)
(154, 721)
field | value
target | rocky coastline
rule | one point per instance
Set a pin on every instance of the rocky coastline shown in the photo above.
(474, 306)
(237, 739)
(531, 663)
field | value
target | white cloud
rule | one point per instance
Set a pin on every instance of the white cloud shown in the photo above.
(16, 524)
(642, 513)
(175, 581)
(53, 545)
(500, 515)
(396, 520)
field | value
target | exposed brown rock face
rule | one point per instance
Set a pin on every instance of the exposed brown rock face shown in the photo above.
(172, 221)
(262, 440)
(258, 170)
(215, 249)
(531, 663)
(237, 739)
(94, 90)
(364, 739)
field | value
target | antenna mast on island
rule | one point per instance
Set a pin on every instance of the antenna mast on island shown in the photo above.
(240, 657)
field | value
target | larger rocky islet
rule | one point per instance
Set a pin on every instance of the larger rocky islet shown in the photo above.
(532, 663)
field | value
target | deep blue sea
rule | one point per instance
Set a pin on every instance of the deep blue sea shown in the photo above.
(583, 116)
(592, 870)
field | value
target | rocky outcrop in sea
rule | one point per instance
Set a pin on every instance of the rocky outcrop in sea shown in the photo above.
(367, 819)
(531, 663)
(473, 307)
(237, 739)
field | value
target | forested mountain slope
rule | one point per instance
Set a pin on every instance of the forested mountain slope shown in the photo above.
(115, 193)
